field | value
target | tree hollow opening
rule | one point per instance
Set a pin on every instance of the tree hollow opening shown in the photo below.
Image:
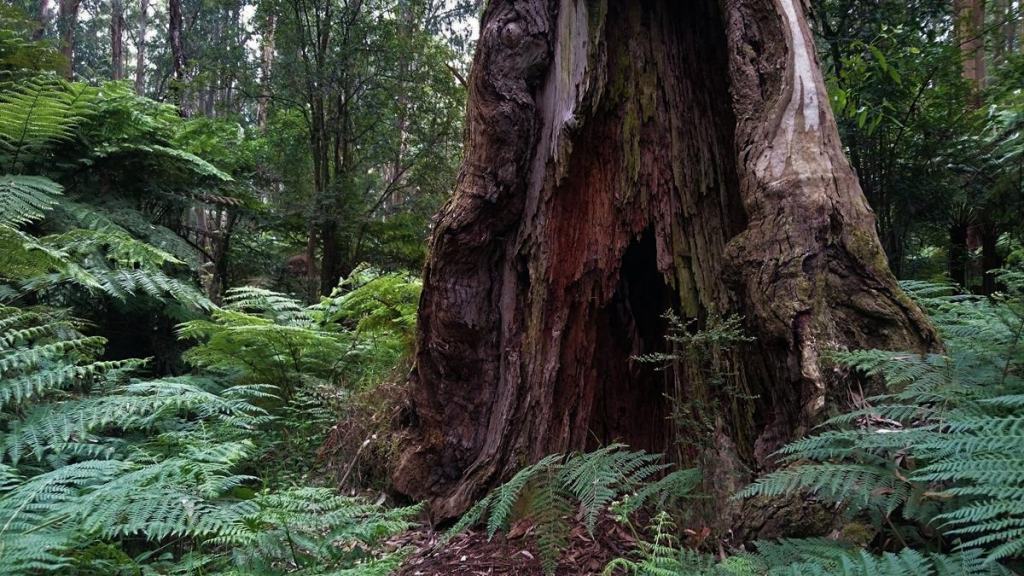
(630, 404)
(654, 162)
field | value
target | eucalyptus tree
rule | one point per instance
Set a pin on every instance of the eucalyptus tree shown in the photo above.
(624, 158)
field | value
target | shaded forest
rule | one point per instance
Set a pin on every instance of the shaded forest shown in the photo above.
(714, 287)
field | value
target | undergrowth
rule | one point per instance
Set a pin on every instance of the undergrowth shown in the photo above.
(102, 472)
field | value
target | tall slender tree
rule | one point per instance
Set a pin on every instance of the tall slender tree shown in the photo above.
(116, 39)
(266, 67)
(175, 24)
(67, 22)
(140, 48)
(969, 21)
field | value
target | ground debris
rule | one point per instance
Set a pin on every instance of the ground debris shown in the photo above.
(472, 554)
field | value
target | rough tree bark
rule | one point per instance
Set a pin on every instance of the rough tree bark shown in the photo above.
(624, 158)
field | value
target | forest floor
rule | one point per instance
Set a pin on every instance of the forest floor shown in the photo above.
(472, 553)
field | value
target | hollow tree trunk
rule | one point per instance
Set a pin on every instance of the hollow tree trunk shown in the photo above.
(624, 158)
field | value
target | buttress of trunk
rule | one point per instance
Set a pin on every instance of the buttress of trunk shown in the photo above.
(624, 158)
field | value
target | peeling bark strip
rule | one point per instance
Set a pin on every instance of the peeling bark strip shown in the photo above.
(624, 158)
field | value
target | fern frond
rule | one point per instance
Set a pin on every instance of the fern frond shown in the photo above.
(24, 199)
(674, 486)
(597, 478)
(506, 495)
(37, 113)
(550, 488)
(827, 557)
(858, 486)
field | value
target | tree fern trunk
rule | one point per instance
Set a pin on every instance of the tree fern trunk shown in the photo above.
(959, 252)
(624, 158)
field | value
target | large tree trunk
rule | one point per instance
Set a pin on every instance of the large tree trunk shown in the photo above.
(624, 158)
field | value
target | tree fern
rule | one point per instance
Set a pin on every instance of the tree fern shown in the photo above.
(178, 159)
(857, 486)
(662, 556)
(264, 336)
(309, 526)
(139, 406)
